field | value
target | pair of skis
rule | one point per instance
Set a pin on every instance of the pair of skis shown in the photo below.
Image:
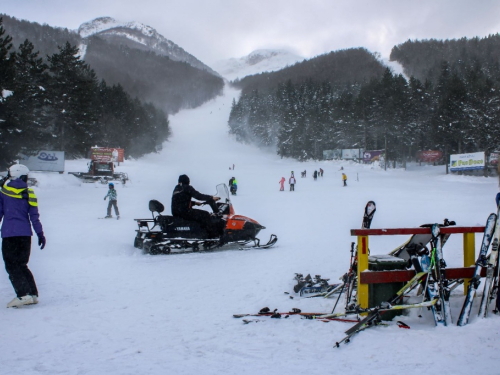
(491, 231)
(349, 280)
(266, 312)
(374, 314)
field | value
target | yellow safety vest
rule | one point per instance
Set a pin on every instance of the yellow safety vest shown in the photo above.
(17, 193)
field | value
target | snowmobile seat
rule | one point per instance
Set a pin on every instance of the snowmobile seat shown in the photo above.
(164, 222)
(155, 206)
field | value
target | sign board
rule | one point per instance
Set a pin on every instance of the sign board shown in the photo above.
(429, 156)
(373, 155)
(332, 154)
(107, 154)
(52, 161)
(466, 162)
(352, 153)
(493, 160)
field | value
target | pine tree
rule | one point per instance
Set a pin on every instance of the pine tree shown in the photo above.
(10, 134)
(74, 87)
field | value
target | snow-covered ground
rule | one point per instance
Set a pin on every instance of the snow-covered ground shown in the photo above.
(107, 308)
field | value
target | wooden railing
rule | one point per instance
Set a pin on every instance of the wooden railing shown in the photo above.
(373, 277)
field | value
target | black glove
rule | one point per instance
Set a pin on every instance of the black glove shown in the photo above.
(104, 198)
(41, 240)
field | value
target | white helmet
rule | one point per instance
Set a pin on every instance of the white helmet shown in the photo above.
(17, 171)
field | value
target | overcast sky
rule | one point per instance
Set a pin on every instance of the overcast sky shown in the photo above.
(212, 30)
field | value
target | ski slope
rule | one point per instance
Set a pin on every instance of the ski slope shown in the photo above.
(107, 308)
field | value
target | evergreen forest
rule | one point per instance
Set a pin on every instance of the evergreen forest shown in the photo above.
(456, 110)
(60, 104)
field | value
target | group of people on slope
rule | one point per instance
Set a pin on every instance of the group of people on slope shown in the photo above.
(292, 181)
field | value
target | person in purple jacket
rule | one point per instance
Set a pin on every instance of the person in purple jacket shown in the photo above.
(18, 212)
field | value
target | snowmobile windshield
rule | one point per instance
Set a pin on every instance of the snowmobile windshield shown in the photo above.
(223, 193)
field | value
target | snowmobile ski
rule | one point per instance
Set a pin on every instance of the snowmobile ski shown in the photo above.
(272, 240)
(481, 262)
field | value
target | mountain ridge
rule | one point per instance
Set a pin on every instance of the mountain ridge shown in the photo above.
(140, 36)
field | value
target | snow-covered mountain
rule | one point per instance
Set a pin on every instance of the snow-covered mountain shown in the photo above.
(262, 60)
(139, 36)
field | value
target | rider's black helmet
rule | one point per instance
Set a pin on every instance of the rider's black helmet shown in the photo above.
(184, 179)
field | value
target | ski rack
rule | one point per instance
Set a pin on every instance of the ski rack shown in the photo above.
(365, 277)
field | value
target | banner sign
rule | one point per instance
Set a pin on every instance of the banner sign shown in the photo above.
(107, 154)
(429, 156)
(331, 154)
(466, 162)
(493, 160)
(373, 155)
(52, 161)
(352, 153)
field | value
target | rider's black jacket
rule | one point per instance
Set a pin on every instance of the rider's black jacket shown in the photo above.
(181, 198)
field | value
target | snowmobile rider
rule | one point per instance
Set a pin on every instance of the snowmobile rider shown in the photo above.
(19, 211)
(182, 205)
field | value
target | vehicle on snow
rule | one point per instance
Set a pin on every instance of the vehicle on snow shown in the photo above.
(165, 234)
(102, 171)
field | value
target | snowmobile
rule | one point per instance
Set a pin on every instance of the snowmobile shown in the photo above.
(164, 234)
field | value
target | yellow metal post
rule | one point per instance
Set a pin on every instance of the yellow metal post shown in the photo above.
(362, 266)
(469, 255)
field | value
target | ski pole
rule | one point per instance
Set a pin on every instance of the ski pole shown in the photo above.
(338, 298)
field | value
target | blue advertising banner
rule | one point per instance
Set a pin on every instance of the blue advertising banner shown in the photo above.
(52, 161)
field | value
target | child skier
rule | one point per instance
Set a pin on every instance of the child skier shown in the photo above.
(113, 201)
(344, 178)
(233, 185)
(282, 182)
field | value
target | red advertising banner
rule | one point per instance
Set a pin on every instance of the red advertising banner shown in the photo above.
(107, 154)
(429, 156)
(493, 160)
